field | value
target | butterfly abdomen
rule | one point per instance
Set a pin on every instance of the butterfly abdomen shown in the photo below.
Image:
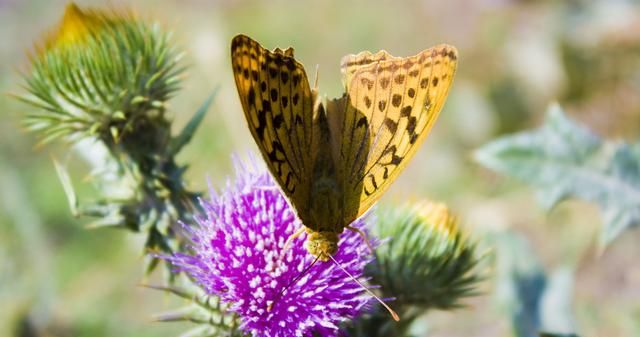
(325, 197)
(326, 206)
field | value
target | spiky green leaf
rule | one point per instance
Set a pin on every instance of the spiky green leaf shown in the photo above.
(187, 132)
(63, 175)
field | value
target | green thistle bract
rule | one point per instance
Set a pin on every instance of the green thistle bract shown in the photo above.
(210, 315)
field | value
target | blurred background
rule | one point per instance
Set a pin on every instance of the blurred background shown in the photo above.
(516, 57)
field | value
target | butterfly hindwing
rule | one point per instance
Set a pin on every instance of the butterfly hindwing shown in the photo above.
(278, 105)
(389, 108)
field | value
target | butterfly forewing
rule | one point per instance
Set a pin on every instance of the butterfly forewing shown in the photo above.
(278, 105)
(389, 108)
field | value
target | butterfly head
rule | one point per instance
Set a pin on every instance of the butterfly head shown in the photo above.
(322, 244)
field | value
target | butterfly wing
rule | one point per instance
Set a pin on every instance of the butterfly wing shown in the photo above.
(278, 105)
(389, 108)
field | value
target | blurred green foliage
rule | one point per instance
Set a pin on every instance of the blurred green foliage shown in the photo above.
(564, 160)
(58, 279)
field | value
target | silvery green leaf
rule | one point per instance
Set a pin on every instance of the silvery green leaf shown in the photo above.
(521, 282)
(565, 160)
(534, 302)
(556, 303)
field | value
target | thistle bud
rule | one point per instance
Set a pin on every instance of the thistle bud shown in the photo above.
(103, 74)
(427, 262)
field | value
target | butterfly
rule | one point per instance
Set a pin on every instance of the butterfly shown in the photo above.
(333, 161)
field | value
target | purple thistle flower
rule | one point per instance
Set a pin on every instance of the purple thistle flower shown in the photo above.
(235, 252)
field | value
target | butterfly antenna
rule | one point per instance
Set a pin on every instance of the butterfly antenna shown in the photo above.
(315, 83)
(295, 279)
(393, 313)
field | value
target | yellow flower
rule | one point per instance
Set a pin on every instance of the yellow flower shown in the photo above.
(78, 24)
(438, 216)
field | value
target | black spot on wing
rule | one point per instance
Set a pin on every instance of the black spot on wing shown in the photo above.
(411, 125)
(262, 124)
(373, 181)
(277, 121)
(251, 97)
(408, 64)
(396, 100)
(362, 123)
(395, 159)
(382, 104)
(366, 82)
(384, 82)
(367, 101)
(391, 125)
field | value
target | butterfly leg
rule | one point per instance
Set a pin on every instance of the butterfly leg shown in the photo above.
(363, 235)
(315, 82)
(268, 188)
